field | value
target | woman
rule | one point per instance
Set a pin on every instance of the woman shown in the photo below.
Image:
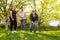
(22, 19)
(13, 18)
(34, 20)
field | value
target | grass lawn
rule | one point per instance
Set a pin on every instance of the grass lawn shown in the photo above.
(42, 35)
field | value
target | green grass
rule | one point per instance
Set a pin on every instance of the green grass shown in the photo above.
(42, 35)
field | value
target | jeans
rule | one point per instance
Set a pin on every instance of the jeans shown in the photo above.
(23, 24)
(33, 24)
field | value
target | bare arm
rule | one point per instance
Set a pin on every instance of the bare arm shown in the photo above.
(11, 15)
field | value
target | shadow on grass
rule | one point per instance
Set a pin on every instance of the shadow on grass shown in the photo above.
(27, 36)
(48, 37)
(10, 36)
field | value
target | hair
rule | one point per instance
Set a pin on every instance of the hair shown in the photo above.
(21, 7)
(33, 10)
(11, 7)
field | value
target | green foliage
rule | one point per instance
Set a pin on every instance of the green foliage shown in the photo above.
(46, 10)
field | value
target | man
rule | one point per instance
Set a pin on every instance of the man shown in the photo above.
(33, 19)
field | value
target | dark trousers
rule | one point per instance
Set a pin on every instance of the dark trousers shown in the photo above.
(13, 23)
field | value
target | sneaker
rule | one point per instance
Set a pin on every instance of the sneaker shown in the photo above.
(23, 31)
(14, 31)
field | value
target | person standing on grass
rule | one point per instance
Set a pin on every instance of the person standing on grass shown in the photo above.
(22, 19)
(13, 20)
(34, 20)
(6, 27)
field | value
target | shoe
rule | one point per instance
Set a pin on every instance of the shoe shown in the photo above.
(14, 31)
(23, 31)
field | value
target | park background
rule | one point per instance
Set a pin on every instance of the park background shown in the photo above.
(48, 24)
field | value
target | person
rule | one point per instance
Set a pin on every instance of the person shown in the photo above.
(6, 27)
(33, 20)
(22, 16)
(13, 20)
